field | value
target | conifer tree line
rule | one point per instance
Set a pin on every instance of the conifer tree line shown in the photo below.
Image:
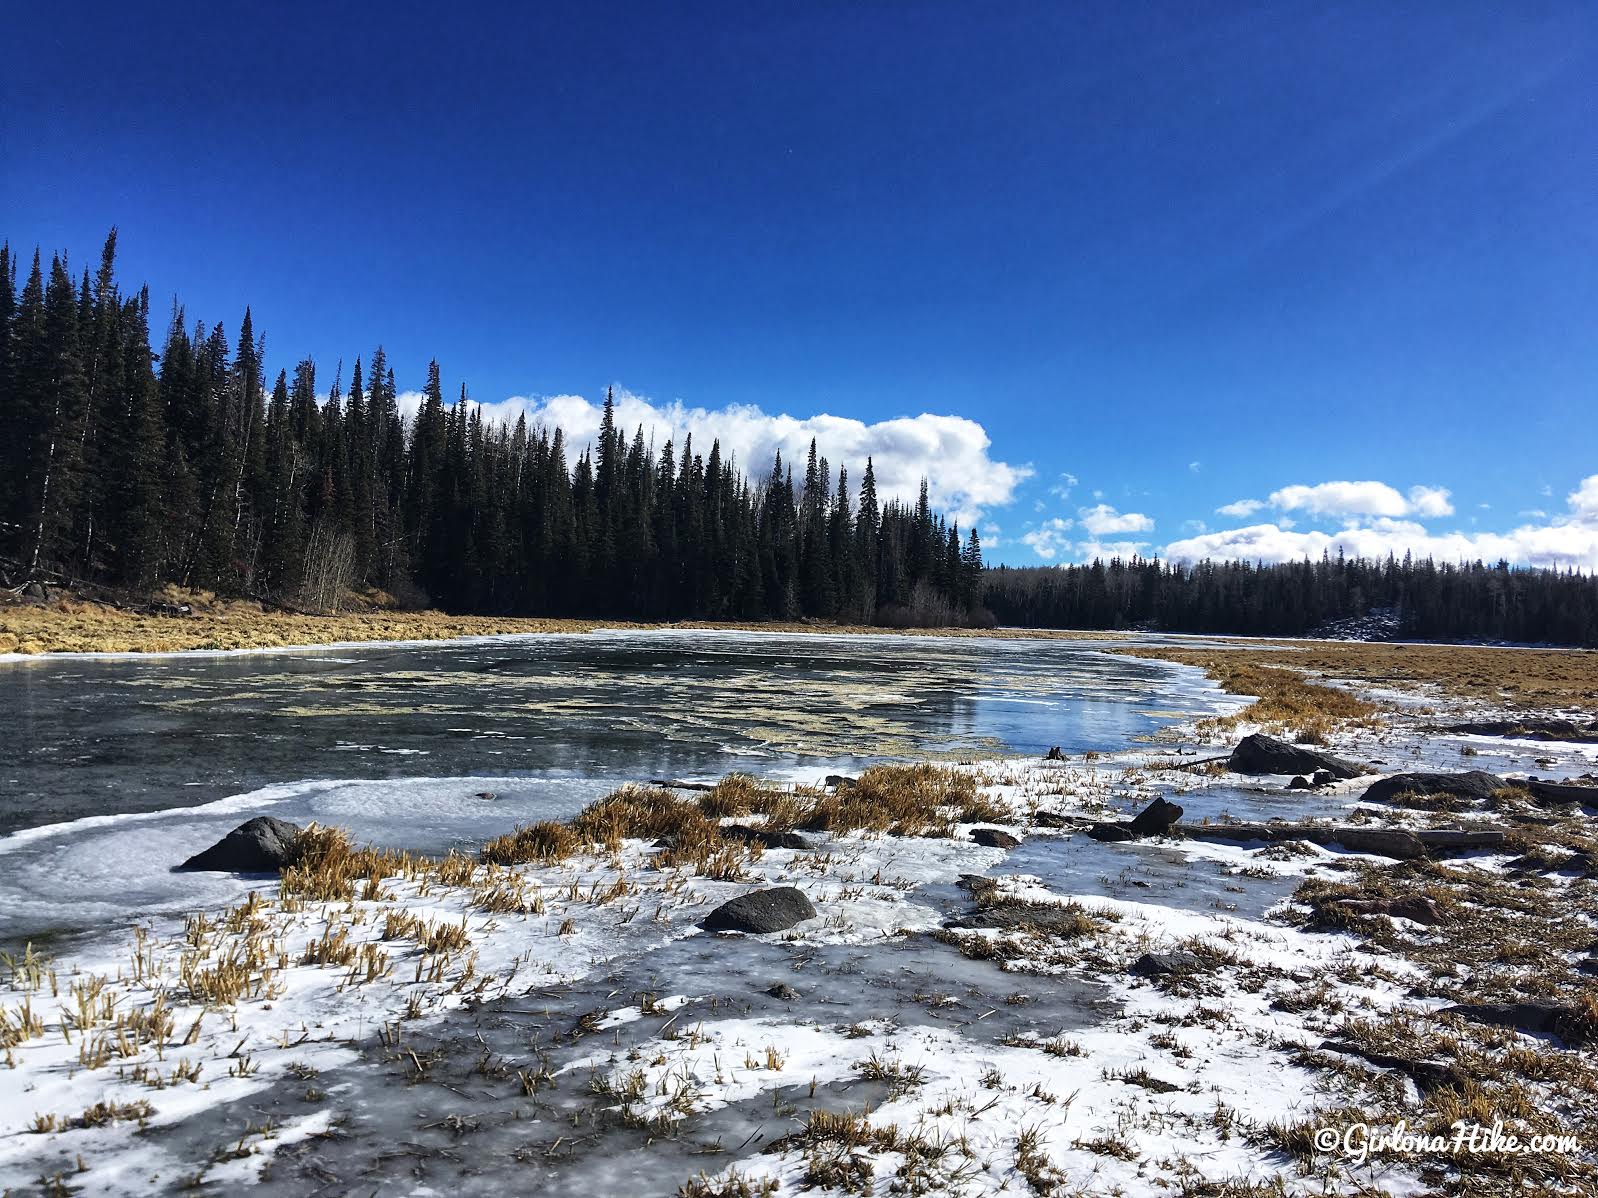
(131, 468)
(135, 468)
(1414, 599)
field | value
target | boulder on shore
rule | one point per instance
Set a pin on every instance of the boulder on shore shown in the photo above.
(1417, 908)
(1151, 965)
(1154, 820)
(761, 912)
(263, 845)
(1261, 754)
(1538, 1018)
(766, 838)
(994, 838)
(1474, 786)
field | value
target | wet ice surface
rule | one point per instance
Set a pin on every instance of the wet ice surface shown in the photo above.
(90, 736)
(116, 770)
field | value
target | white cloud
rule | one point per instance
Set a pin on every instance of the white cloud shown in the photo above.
(1048, 540)
(1341, 499)
(1105, 519)
(1088, 551)
(1241, 508)
(1362, 499)
(1195, 467)
(1569, 541)
(1430, 502)
(950, 452)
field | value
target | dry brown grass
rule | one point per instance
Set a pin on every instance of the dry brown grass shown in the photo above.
(328, 867)
(76, 626)
(898, 800)
(903, 800)
(1525, 678)
(1284, 698)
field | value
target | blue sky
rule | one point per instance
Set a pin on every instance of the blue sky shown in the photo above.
(1186, 255)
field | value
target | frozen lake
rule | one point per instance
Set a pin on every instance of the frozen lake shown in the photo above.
(115, 770)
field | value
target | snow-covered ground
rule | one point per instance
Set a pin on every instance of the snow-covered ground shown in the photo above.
(479, 1029)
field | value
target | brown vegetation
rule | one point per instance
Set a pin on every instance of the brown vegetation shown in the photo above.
(71, 625)
(1523, 678)
(899, 800)
(1284, 699)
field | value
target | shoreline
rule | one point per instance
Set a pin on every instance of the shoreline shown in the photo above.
(80, 630)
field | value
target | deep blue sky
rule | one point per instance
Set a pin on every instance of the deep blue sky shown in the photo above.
(1291, 242)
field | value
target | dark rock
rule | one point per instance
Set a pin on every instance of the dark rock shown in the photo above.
(1054, 754)
(1416, 907)
(838, 781)
(1261, 754)
(1474, 786)
(1459, 840)
(1151, 965)
(764, 837)
(1561, 794)
(784, 992)
(1111, 833)
(761, 912)
(262, 845)
(971, 881)
(1300, 783)
(994, 838)
(1539, 1018)
(1531, 729)
(1155, 819)
(1397, 843)
(1322, 778)
(1053, 819)
(1427, 1075)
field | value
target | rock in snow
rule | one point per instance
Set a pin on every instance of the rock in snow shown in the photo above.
(1261, 754)
(1473, 786)
(761, 911)
(993, 838)
(1151, 965)
(263, 845)
(1153, 820)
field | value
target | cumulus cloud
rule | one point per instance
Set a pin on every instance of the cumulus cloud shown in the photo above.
(1431, 502)
(1050, 539)
(1565, 542)
(950, 452)
(1104, 519)
(1097, 550)
(1241, 508)
(1349, 499)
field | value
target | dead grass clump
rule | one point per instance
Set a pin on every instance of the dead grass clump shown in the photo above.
(734, 795)
(634, 813)
(542, 843)
(328, 866)
(903, 800)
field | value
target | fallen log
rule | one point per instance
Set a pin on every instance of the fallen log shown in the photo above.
(1400, 844)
